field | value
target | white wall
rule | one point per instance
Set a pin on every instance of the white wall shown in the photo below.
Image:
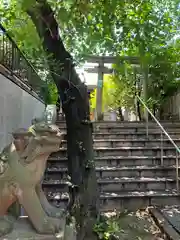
(17, 109)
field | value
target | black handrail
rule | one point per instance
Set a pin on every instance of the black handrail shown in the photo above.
(15, 61)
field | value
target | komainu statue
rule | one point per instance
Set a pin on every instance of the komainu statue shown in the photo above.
(22, 166)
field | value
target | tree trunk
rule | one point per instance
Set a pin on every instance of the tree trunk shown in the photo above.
(121, 117)
(161, 114)
(74, 96)
(139, 110)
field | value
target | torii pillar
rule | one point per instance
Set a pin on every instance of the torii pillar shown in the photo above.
(99, 93)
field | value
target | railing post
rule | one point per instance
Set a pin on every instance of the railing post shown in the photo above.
(162, 160)
(3, 49)
(136, 101)
(163, 131)
(147, 126)
(177, 171)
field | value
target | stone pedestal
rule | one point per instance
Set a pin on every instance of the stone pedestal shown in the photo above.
(24, 231)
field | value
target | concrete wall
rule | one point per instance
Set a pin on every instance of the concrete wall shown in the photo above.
(17, 109)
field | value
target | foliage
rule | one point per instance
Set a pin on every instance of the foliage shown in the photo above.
(141, 28)
(96, 27)
(22, 30)
(125, 81)
(49, 93)
(106, 227)
(117, 90)
(109, 94)
(163, 75)
(127, 225)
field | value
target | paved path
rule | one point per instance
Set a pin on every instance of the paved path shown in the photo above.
(172, 214)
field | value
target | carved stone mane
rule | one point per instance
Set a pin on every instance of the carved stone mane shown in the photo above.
(22, 166)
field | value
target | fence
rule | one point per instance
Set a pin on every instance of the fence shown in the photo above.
(14, 60)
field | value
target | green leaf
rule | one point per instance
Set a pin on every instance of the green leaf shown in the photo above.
(27, 4)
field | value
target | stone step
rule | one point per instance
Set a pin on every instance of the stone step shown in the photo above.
(132, 129)
(136, 184)
(137, 199)
(132, 200)
(139, 124)
(54, 171)
(125, 151)
(119, 129)
(121, 161)
(120, 184)
(136, 136)
(115, 143)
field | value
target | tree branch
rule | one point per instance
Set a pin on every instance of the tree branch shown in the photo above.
(59, 60)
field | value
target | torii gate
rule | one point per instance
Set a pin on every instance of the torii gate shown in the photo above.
(101, 70)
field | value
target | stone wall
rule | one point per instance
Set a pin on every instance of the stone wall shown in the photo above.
(17, 109)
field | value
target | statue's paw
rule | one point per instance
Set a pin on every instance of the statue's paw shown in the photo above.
(51, 226)
(6, 225)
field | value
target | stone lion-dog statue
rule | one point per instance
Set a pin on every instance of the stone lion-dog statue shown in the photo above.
(22, 167)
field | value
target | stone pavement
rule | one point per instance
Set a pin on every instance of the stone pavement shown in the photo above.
(24, 231)
(172, 214)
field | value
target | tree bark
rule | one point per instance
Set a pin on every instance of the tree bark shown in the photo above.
(120, 113)
(74, 96)
(139, 110)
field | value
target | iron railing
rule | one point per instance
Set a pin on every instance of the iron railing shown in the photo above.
(14, 60)
(163, 132)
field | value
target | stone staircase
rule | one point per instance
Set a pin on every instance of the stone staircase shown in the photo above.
(128, 166)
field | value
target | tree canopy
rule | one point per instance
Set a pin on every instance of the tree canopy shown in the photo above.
(148, 29)
(98, 27)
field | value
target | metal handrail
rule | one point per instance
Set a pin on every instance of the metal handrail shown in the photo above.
(155, 119)
(170, 139)
(15, 61)
(16, 46)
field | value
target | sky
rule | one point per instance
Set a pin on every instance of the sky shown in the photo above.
(89, 78)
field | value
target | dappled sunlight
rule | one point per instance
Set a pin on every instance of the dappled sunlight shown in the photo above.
(173, 214)
(133, 225)
(58, 195)
(168, 219)
(58, 168)
(52, 181)
(138, 193)
(142, 167)
(136, 179)
(127, 157)
(106, 168)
